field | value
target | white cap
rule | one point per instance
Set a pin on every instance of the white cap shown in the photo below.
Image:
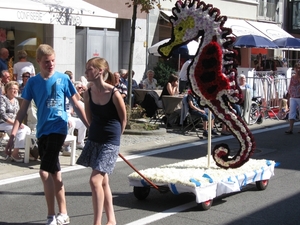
(26, 69)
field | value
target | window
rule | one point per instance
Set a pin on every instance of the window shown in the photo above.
(268, 10)
(296, 15)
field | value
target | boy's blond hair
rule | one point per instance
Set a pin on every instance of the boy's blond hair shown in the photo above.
(43, 50)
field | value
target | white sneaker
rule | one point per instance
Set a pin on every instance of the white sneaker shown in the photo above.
(51, 220)
(62, 219)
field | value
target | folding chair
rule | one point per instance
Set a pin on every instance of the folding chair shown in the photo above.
(187, 121)
(171, 104)
(153, 106)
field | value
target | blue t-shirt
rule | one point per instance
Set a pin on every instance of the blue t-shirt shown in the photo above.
(50, 99)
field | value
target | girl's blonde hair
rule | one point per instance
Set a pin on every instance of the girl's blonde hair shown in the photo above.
(111, 79)
(100, 63)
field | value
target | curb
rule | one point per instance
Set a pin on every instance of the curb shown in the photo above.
(145, 132)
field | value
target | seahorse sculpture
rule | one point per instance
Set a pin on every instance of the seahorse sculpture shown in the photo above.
(212, 72)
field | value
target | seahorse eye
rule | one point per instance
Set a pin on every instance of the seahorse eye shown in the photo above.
(180, 28)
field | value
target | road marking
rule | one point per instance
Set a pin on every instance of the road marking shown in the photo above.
(163, 214)
(37, 175)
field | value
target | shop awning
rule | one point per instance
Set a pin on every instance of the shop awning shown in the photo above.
(241, 27)
(165, 14)
(64, 12)
(272, 31)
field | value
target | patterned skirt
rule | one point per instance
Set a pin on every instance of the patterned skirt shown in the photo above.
(101, 157)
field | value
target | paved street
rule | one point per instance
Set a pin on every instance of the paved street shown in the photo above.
(23, 202)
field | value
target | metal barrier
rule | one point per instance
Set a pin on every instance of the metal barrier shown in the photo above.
(272, 88)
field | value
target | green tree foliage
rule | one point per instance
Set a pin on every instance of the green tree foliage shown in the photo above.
(163, 70)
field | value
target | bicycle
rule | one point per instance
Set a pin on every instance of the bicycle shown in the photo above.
(259, 112)
(256, 112)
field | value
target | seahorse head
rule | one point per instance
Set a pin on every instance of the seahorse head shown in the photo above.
(190, 20)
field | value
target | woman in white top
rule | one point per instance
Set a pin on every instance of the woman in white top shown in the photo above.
(9, 106)
(150, 83)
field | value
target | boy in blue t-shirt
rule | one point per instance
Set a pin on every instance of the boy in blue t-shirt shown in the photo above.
(49, 90)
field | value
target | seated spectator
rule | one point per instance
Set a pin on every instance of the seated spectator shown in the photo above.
(171, 87)
(25, 77)
(80, 89)
(74, 123)
(134, 86)
(120, 86)
(124, 76)
(201, 112)
(150, 82)
(9, 106)
(134, 83)
(4, 79)
(242, 82)
(124, 79)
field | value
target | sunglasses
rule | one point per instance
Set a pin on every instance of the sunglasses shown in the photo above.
(80, 87)
(26, 76)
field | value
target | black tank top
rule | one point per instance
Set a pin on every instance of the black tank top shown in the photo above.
(105, 127)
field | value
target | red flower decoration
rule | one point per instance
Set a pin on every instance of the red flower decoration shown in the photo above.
(208, 73)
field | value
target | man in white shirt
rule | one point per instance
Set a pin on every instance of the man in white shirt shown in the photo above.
(22, 66)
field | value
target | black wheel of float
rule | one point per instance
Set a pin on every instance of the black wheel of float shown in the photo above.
(262, 184)
(205, 205)
(141, 192)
